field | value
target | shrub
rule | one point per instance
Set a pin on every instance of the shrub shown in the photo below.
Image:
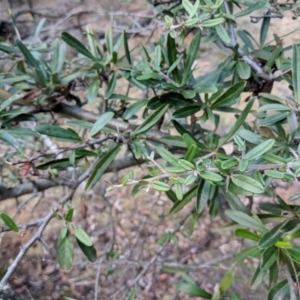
(179, 127)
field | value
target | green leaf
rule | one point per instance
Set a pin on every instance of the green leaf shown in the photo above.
(257, 278)
(192, 152)
(188, 6)
(273, 158)
(134, 108)
(238, 123)
(65, 251)
(203, 193)
(151, 120)
(222, 33)
(228, 164)
(274, 174)
(276, 107)
(235, 202)
(126, 48)
(273, 274)
(8, 49)
(109, 40)
(101, 166)
(186, 111)
(160, 186)
(28, 56)
(190, 179)
(243, 70)
(58, 164)
(193, 290)
(186, 164)
(82, 236)
(93, 90)
(187, 197)
(19, 132)
(167, 156)
(173, 60)
(260, 149)
(227, 281)
(247, 183)
(9, 222)
(174, 99)
(271, 237)
(132, 295)
(101, 123)
(245, 37)
(69, 215)
(178, 191)
(246, 234)
(279, 291)
(192, 54)
(210, 176)
(296, 71)
(269, 257)
(264, 28)
(12, 141)
(245, 220)
(230, 95)
(253, 251)
(59, 56)
(111, 86)
(255, 6)
(58, 132)
(89, 252)
(295, 254)
(273, 119)
(250, 137)
(189, 139)
(77, 45)
(212, 22)
(243, 164)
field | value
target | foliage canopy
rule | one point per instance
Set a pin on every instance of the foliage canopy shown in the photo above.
(177, 127)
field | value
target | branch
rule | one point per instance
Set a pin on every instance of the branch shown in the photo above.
(42, 225)
(254, 65)
(43, 184)
(81, 114)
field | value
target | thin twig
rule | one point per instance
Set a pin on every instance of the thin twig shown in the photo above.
(43, 223)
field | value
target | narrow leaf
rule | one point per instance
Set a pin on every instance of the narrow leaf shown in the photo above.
(111, 86)
(101, 166)
(82, 236)
(238, 123)
(101, 123)
(160, 186)
(9, 222)
(77, 45)
(28, 56)
(65, 252)
(271, 237)
(167, 156)
(247, 183)
(245, 220)
(89, 252)
(260, 149)
(296, 71)
(152, 120)
(230, 95)
(93, 90)
(58, 132)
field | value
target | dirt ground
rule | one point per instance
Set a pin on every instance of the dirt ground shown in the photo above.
(127, 231)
